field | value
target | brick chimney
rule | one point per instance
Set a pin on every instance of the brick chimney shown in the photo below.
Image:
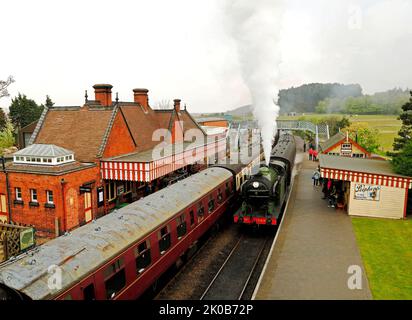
(103, 93)
(141, 97)
(177, 104)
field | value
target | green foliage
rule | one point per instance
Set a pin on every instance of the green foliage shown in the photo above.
(49, 103)
(7, 137)
(405, 134)
(24, 111)
(402, 162)
(388, 102)
(322, 107)
(3, 119)
(386, 248)
(305, 98)
(366, 136)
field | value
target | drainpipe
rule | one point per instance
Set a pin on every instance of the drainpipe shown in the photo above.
(64, 222)
(7, 186)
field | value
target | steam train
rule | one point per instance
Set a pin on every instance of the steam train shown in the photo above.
(120, 255)
(264, 194)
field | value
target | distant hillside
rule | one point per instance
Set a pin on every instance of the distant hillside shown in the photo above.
(241, 111)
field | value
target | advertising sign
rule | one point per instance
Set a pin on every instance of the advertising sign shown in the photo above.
(367, 192)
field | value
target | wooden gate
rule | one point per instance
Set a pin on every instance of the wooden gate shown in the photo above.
(3, 209)
(15, 239)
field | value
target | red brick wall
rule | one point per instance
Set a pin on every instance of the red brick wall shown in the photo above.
(44, 219)
(119, 141)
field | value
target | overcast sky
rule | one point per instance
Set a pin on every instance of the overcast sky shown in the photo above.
(182, 48)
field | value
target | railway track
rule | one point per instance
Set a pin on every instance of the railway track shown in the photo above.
(236, 278)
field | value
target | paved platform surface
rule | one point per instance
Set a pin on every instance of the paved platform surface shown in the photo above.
(314, 249)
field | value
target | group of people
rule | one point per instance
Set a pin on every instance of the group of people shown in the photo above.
(313, 154)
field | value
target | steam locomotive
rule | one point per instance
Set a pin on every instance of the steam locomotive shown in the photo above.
(264, 194)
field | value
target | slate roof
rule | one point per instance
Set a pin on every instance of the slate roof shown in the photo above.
(332, 141)
(85, 130)
(79, 129)
(373, 166)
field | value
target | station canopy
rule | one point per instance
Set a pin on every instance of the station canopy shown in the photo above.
(368, 171)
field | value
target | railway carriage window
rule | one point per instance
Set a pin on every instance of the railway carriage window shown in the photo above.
(227, 189)
(115, 278)
(211, 204)
(143, 256)
(164, 239)
(200, 212)
(115, 283)
(88, 293)
(219, 196)
(181, 226)
(192, 218)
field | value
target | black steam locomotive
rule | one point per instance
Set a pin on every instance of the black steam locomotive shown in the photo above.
(264, 194)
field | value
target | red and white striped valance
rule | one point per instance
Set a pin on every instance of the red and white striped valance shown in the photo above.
(148, 171)
(367, 178)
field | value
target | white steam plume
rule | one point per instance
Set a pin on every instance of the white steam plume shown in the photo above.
(256, 28)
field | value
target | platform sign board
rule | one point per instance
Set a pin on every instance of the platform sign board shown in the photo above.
(100, 196)
(367, 192)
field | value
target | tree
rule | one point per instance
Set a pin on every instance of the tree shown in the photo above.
(3, 119)
(402, 163)
(7, 137)
(24, 111)
(49, 103)
(405, 134)
(4, 85)
(322, 107)
(364, 135)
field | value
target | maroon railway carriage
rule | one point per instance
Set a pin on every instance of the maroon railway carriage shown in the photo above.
(120, 255)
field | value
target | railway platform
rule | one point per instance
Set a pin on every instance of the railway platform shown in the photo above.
(314, 249)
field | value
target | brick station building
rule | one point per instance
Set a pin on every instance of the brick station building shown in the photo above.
(82, 161)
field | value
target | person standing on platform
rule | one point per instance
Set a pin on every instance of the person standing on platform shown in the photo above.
(314, 155)
(315, 177)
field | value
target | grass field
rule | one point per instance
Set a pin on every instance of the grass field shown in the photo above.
(387, 125)
(386, 250)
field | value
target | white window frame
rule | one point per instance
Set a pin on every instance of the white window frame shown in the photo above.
(48, 193)
(32, 192)
(18, 191)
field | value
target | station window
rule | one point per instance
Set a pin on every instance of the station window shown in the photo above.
(110, 191)
(115, 276)
(200, 212)
(18, 193)
(33, 195)
(49, 196)
(143, 256)
(181, 226)
(127, 186)
(211, 204)
(164, 239)
(192, 218)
